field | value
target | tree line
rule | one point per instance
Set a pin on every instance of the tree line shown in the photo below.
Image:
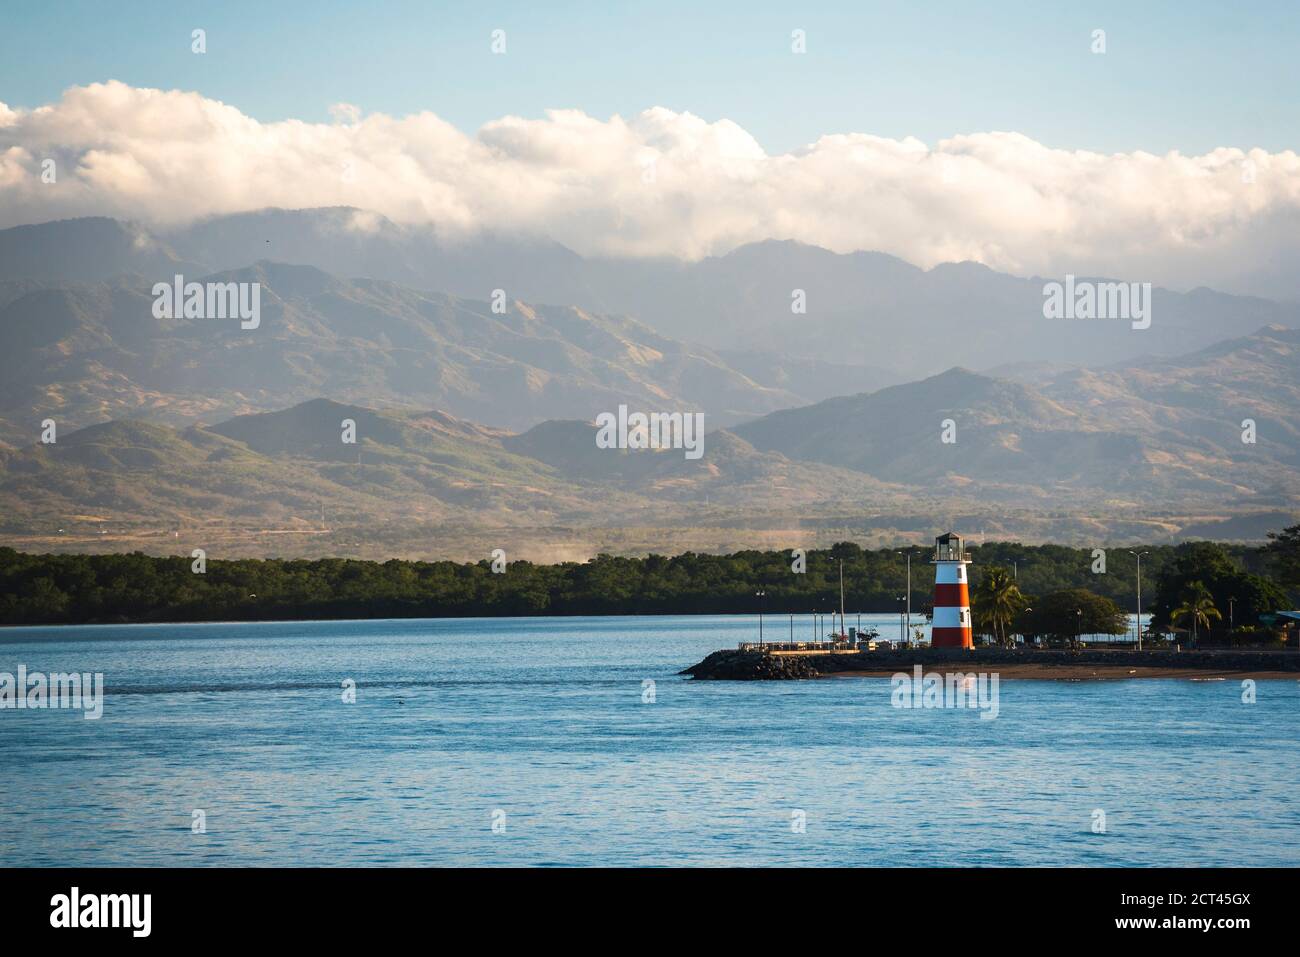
(1192, 586)
(134, 587)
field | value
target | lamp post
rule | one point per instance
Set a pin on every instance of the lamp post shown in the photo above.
(1078, 627)
(908, 628)
(843, 629)
(759, 595)
(1139, 555)
(1230, 620)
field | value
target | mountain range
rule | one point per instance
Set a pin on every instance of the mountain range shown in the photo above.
(278, 478)
(869, 315)
(474, 408)
(82, 352)
(1140, 453)
(1158, 430)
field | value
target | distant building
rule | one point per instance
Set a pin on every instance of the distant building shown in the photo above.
(952, 623)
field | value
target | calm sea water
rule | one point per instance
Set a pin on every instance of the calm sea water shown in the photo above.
(542, 723)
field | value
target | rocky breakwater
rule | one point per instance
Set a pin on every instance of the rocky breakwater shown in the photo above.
(729, 665)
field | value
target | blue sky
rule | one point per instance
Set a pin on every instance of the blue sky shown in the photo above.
(1185, 76)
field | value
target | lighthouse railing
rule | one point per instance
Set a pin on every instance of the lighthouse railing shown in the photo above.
(945, 553)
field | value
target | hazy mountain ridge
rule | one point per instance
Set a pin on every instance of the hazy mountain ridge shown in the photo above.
(1105, 441)
(92, 249)
(1161, 428)
(863, 309)
(81, 353)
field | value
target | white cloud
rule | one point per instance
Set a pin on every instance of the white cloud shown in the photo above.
(345, 113)
(662, 183)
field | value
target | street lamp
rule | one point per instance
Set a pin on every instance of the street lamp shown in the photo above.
(759, 595)
(1078, 628)
(1230, 619)
(1139, 555)
(908, 628)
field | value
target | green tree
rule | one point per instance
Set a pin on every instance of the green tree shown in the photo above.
(1063, 615)
(1218, 572)
(1197, 606)
(72, 588)
(996, 600)
(1283, 553)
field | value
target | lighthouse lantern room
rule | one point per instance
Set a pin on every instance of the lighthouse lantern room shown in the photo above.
(952, 624)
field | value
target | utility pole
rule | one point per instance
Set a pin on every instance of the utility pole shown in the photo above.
(908, 628)
(843, 630)
(1139, 558)
(909, 594)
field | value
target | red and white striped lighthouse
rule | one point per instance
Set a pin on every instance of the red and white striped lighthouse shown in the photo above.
(952, 625)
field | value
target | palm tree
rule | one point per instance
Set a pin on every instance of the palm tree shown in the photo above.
(997, 601)
(1198, 605)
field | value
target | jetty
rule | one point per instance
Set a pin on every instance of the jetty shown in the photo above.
(750, 664)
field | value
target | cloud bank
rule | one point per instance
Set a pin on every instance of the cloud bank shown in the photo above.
(662, 183)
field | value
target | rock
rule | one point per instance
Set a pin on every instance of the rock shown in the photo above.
(729, 665)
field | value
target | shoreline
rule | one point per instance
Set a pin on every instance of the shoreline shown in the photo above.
(107, 623)
(1040, 672)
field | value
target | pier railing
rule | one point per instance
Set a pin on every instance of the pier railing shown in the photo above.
(804, 646)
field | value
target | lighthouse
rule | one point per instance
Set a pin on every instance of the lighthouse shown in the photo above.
(952, 625)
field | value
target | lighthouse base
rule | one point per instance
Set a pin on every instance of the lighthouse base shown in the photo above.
(951, 638)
